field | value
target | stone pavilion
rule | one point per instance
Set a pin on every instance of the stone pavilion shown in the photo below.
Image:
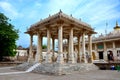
(60, 26)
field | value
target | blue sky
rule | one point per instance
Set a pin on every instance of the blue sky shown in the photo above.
(24, 13)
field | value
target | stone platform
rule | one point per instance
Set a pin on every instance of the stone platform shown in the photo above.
(24, 66)
(58, 69)
(106, 66)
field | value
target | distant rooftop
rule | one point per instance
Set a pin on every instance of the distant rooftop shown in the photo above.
(112, 35)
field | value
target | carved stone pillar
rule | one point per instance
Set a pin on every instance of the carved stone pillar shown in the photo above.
(48, 55)
(71, 47)
(78, 60)
(105, 51)
(90, 47)
(30, 58)
(114, 49)
(53, 46)
(113, 44)
(60, 58)
(96, 47)
(38, 57)
(65, 52)
(83, 47)
(68, 49)
(96, 52)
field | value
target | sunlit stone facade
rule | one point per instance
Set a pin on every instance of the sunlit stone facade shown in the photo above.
(107, 47)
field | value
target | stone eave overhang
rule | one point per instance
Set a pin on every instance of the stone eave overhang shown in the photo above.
(105, 40)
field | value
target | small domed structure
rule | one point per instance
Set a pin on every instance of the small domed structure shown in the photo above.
(117, 27)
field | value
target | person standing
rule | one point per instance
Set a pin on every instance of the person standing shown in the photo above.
(118, 68)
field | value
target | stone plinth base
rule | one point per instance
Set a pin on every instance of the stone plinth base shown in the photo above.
(62, 69)
(60, 59)
(48, 58)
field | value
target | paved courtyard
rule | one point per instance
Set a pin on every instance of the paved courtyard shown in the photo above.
(94, 75)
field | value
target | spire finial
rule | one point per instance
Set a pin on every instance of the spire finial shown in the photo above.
(60, 11)
(116, 23)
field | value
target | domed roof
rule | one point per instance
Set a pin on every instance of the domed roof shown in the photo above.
(117, 27)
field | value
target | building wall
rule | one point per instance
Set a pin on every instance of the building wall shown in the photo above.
(21, 55)
(109, 47)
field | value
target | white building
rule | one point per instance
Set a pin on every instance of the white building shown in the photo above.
(107, 47)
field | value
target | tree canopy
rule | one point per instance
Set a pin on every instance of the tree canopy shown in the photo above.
(44, 46)
(8, 37)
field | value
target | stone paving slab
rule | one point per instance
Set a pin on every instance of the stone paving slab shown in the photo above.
(91, 75)
(7, 69)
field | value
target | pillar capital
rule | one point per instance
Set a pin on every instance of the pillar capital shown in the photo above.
(39, 32)
(52, 36)
(60, 22)
(31, 34)
(89, 34)
(71, 26)
(60, 26)
(79, 36)
(31, 39)
(83, 31)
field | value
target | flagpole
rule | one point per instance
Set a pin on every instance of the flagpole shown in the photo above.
(106, 28)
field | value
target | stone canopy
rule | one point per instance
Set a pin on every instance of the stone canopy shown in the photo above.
(60, 26)
(54, 21)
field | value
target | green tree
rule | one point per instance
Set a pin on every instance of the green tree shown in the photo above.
(44, 46)
(8, 37)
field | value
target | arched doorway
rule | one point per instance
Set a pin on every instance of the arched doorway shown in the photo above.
(100, 54)
(110, 55)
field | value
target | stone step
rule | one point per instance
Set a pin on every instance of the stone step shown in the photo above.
(32, 67)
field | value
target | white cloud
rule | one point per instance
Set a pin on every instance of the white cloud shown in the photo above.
(8, 9)
(106, 12)
(93, 12)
